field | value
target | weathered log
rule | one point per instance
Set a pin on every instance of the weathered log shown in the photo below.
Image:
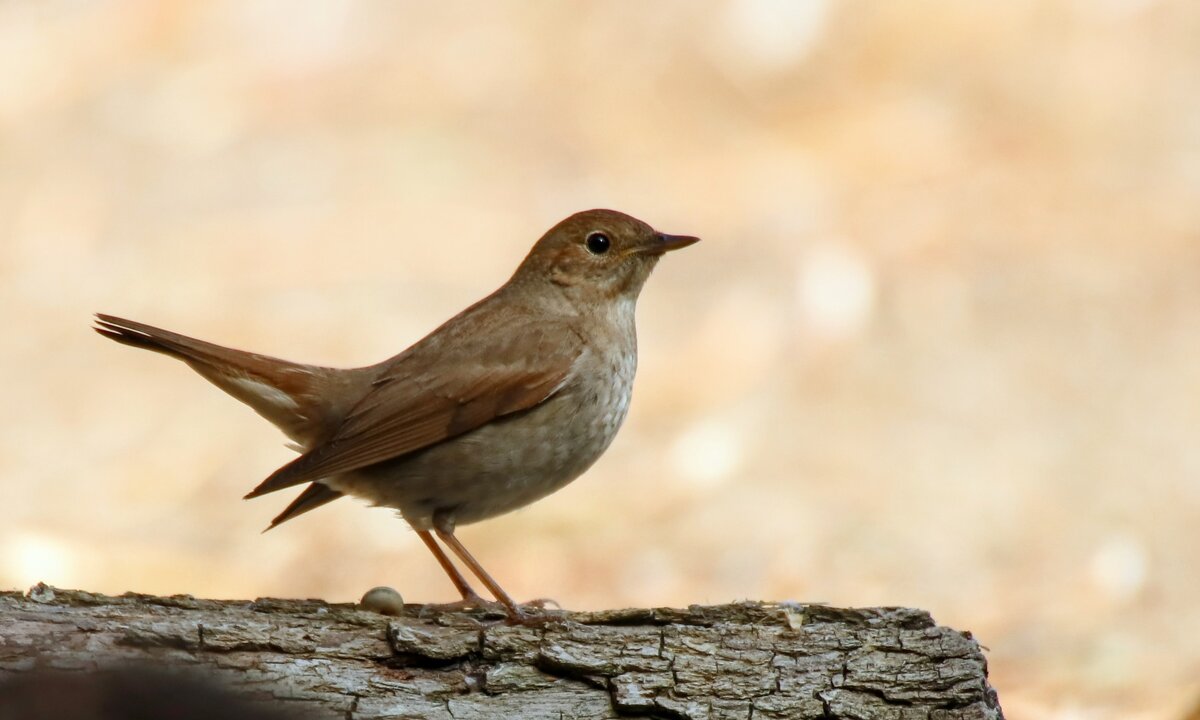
(745, 660)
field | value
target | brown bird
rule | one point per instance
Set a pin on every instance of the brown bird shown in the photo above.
(506, 402)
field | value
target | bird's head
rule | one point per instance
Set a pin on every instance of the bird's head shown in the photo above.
(599, 255)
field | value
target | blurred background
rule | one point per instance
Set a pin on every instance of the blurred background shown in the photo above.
(940, 346)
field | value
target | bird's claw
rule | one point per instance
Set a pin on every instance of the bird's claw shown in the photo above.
(471, 602)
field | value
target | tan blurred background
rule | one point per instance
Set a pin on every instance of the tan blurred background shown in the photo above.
(940, 346)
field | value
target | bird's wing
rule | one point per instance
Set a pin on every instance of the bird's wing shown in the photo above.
(471, 371)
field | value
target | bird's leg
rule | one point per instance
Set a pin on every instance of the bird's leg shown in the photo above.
(469, 597)
(445, 530)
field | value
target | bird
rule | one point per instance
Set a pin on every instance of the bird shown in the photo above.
(501, 405)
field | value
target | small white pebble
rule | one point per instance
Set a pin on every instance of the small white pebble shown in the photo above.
(383, 600)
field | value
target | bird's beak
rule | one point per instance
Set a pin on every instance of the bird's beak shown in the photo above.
(665, 243)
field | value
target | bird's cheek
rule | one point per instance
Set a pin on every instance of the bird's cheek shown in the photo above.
(564, 275)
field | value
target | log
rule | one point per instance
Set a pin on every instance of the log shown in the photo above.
(752, 660)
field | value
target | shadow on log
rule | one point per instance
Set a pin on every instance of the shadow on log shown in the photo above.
(746, 660)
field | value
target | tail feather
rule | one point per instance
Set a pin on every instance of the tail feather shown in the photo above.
(136, 334)
(286, 393)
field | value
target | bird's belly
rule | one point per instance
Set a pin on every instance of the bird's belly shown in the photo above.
(499, 467)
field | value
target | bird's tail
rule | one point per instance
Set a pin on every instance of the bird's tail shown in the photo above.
(286, 393)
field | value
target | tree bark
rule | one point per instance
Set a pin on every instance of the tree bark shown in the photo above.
(746, 660)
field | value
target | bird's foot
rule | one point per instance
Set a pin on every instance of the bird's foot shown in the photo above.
(469, 602)
(535, 612)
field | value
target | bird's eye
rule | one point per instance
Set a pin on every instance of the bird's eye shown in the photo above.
(597, 243)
